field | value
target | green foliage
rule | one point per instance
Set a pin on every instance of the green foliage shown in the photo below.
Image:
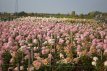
(85, 62)
(18, 57)
(6, 59)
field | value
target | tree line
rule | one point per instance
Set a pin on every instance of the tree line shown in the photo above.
(73, 14)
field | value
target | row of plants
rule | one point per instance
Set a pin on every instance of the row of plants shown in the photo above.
(38, 45)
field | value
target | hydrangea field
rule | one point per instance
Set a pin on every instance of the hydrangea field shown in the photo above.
(39, 44)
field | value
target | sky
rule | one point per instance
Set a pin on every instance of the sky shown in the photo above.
(53, 6)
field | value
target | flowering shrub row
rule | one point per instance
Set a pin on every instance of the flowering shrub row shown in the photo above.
(43, 45)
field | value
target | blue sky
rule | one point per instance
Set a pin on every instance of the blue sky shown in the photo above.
(54, 6)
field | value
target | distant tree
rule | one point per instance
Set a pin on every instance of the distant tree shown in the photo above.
(22, 14)
(93, 14)
(81, 15)
(0, 13)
